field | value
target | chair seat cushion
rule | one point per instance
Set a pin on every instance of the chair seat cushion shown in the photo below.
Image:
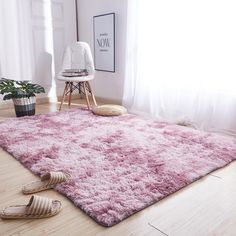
(75, 78)
(109, 110)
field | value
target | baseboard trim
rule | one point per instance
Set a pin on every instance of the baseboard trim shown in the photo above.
(44, 100)
(108, 101)
(6, 105)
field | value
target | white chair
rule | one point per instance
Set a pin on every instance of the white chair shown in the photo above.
(78, 56)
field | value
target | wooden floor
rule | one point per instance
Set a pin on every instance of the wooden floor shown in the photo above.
(204, 208)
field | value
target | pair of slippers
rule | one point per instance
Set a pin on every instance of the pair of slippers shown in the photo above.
(37, 207)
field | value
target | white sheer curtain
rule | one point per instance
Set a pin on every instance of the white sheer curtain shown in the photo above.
(15, 53)
(181, 61)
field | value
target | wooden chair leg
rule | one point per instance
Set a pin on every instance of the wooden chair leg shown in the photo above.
(80, 90)
(64, 94)
(90, 90)
(70, 93)
(86, 95)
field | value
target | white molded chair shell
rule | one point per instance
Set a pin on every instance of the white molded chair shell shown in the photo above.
(78, 56)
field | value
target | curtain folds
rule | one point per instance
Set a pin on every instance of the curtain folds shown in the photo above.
(181, 62)
(15, 47)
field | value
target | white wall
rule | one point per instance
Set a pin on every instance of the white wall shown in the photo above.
(33, 41)
(106, 84)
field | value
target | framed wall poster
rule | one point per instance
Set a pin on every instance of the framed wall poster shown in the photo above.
(104, 42)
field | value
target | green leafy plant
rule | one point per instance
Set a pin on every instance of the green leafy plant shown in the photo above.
(19, 89)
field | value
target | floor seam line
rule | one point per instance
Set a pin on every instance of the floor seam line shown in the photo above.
(216, 176)
(157, 229)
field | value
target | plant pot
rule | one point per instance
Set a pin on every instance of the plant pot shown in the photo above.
(24, 106)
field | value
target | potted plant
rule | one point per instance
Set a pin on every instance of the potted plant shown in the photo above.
(22, 93)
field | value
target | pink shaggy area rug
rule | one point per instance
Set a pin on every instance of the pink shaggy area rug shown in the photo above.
(119, 165)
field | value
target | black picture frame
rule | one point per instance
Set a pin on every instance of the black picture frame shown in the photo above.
(104, 42)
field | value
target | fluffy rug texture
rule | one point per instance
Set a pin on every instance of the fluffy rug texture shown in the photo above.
(118, 165)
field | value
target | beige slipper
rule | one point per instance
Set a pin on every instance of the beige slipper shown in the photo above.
(48, 181)
(38, 207)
